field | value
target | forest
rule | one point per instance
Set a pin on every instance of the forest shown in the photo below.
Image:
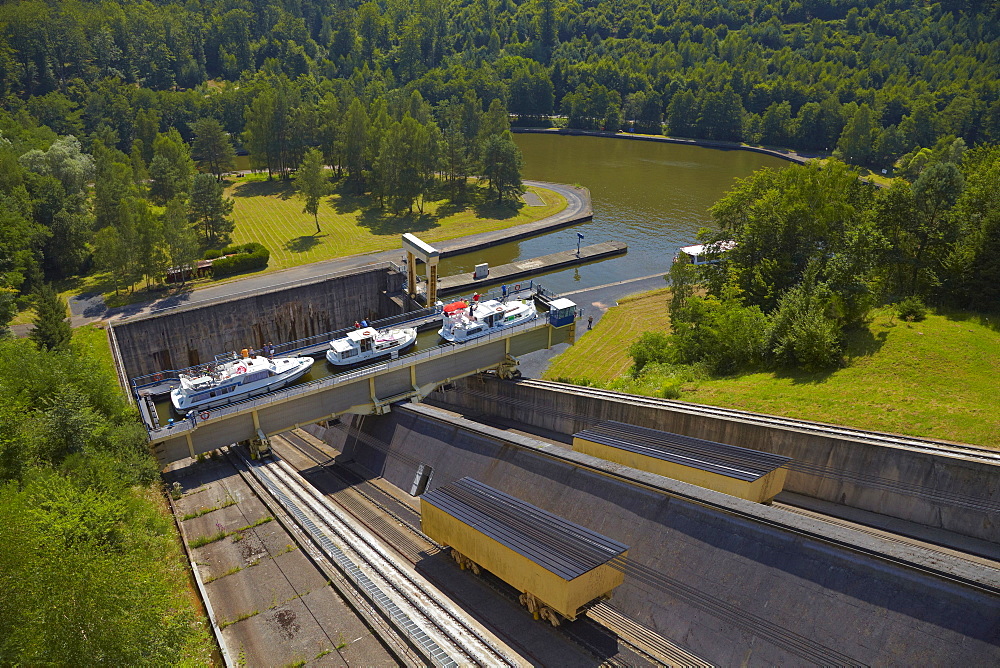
(118, 118)
(405, 98)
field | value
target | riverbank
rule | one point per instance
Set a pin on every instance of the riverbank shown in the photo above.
(87, 308)
(784, 154)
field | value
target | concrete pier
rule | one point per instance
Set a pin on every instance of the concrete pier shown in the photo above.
(509, 273)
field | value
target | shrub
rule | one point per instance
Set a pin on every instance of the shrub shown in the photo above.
(212, 254)
(650, 347)
(723, 335)
(802, 334)
(248, 257)
(912, 308)
(671, 390)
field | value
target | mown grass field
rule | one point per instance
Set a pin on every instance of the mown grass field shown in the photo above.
(935, 379)
(602, 354)
(270, 213)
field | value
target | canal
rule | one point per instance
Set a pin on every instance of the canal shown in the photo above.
(653, 196)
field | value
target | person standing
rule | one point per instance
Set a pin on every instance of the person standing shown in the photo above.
(503, 292)
(590, 322)
(192, 415)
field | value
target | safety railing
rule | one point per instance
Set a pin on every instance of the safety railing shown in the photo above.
(289, 348)
(355, 375)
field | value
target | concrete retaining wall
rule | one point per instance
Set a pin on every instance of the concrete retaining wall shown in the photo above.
(183, 337)
(730, 589)
(870, 478)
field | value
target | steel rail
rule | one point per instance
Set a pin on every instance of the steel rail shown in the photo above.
(430, 616)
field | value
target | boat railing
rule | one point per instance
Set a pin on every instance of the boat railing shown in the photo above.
(362, 372)
(290, 348)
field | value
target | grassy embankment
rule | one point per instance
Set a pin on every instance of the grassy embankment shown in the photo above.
(269, 212)
(934, 379)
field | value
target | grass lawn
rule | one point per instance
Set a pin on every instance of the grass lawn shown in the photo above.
(602, 354)
(270, 213)
(934, 379)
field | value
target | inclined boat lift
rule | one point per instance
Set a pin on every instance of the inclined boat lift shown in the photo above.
(368, 390)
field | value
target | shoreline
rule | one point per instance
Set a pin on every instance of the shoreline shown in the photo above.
(789, 155)
(578, 209)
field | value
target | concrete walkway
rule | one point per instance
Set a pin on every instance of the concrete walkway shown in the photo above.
(578, 209)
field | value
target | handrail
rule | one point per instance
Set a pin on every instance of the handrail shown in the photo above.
(290, 347)
(356, 374)
(174, 374)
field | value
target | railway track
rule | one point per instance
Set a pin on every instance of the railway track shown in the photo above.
(872, 480)
(985, 455)
(591, 633)
(438, 631)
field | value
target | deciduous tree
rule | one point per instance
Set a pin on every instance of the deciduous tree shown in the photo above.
(312, 183)
(210, 209)
(213, 147)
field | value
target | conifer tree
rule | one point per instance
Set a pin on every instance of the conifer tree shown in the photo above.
(52, 331)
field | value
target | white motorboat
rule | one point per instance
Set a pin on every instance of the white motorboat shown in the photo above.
(217, 384)
(462, 322)
(368, 343)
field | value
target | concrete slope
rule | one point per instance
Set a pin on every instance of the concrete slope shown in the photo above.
(732, 581)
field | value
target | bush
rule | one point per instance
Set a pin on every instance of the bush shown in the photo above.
(911, 309)
(722, 335)
(248, 257)
(212, 254)
(650, 347)
(671, 390)
(802, 334)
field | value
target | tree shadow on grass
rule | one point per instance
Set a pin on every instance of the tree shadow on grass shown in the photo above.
(345, 200)
(861, 343)
(381, 222)
(304, 243)
(988, 320)
(276, 188)
(498, 211)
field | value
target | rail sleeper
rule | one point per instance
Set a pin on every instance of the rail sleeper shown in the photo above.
(560, 567)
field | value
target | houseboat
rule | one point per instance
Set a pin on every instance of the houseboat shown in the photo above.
(214, 385)
(368, 344)
(462, 321)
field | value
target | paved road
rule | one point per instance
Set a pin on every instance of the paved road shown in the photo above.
(88, 308)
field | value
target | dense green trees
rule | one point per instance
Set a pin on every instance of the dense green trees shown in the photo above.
(90, 570)
(810, 251)
(894, 74)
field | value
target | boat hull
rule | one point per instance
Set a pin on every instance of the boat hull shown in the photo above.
(483, 330)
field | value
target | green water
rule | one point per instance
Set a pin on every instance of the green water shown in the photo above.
(652, 196)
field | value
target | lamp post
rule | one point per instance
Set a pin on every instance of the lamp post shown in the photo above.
(579, 238)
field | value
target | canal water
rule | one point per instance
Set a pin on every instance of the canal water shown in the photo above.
(654, 196)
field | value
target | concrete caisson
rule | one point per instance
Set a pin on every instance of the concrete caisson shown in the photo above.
(748, 474)
(915, 486)
(562, 565)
